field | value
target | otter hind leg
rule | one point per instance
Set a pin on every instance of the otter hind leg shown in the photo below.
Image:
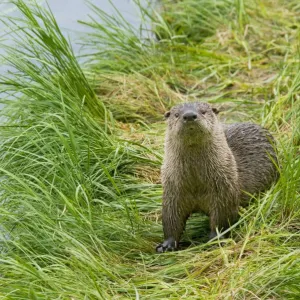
(221, 220)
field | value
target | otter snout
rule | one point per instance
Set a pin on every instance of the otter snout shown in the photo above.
(189, 116)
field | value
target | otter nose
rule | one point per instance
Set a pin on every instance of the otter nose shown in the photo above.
(189, 116)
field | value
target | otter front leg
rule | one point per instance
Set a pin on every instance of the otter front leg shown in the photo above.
(173, 219)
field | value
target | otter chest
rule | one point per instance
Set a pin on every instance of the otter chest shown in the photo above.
(195, 186)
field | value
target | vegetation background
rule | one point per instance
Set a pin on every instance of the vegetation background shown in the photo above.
(81, 147)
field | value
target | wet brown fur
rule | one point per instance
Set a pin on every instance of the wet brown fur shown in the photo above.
(209, 166)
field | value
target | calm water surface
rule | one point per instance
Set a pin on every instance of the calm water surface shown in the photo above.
(68, 12)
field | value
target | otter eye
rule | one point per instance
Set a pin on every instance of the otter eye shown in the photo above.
(177, 115)
(203, 112)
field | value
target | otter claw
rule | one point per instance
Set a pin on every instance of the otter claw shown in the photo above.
(168, 245)
(212, 235)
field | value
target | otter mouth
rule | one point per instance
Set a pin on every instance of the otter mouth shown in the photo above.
(191, 130)
(190, 126)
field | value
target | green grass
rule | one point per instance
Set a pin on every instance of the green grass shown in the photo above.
(81, 147)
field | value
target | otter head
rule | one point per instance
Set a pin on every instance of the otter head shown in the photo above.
(191, 123)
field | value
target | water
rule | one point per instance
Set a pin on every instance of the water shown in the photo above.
(68, 12)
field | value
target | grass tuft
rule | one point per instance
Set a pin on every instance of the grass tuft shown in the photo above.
(81, 147)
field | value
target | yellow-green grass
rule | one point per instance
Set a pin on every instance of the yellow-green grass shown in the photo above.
(81, 148)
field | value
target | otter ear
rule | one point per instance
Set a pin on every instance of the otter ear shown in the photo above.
(215, 110)
(167, 114)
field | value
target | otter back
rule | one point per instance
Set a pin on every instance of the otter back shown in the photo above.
(254, 152)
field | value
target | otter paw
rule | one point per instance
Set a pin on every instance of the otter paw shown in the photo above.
(168, 245)
(214, 234)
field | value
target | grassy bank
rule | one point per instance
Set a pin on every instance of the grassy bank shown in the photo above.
(81, 148)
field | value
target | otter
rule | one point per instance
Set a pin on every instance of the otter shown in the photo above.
(212, 168)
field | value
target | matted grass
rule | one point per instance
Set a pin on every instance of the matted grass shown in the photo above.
(80, 154)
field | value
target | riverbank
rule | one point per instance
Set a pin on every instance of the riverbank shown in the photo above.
(82, 149)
